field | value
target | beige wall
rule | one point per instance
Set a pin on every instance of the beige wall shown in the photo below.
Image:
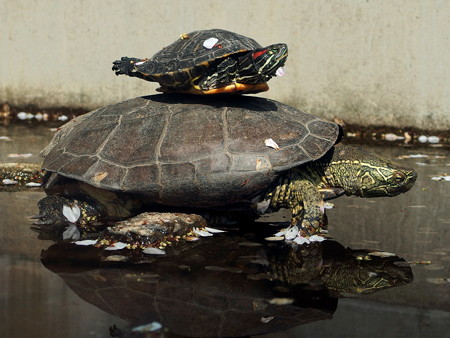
(370, 62)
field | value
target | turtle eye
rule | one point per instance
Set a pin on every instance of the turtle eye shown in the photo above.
(399, 177)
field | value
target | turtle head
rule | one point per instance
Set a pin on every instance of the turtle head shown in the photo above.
(262, 64)
(365, 174)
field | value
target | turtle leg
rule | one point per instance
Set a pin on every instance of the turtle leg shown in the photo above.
(301, 195)
(307, 207)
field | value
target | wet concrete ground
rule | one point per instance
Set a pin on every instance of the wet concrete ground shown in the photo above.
(36, 302)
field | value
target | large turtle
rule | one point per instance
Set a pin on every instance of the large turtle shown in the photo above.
(209, 62)
(192, 153)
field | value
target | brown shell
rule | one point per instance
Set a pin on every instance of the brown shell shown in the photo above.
(188, 151)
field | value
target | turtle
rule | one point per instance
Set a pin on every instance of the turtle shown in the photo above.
(209, 62)
(236, 155)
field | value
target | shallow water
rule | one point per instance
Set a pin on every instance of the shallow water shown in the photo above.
(42, 296)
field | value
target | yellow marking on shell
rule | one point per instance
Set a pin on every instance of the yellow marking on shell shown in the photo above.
(99, 176)
(184, 36)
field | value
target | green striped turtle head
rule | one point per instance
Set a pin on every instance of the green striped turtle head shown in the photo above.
(262, 64)
(365, 174)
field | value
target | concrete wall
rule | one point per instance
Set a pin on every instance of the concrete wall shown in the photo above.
(368, 62)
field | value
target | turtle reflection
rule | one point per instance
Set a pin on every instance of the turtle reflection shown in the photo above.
(226, 285)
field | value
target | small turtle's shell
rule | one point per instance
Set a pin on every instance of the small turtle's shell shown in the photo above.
(188, 151)
(188, 51)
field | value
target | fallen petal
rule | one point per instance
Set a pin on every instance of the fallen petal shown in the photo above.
(279, 72)
(154, 326)
(422, 138)
(212, 230)
(19, 155)
(153, 251)
(281, 301)
(33, 184)
(210, 43)
(382, 254)
(281, 233)
(274, 238)
(116, 246)
(201, 232)
(265, 320)
(441, 178)
(191, 238)
(316, 238)
(433, 139)
(86, 242)
(271, 143)
(7, 181)
(291, 233)
(301, 240)
(116, 258)
(72, 214)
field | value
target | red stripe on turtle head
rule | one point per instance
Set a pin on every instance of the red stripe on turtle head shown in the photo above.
(257, 54)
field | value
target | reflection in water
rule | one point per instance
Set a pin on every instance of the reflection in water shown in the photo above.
(225, 285)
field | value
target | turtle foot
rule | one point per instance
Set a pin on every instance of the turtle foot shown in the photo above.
(57, 210)
(125, 66)
(51, 211)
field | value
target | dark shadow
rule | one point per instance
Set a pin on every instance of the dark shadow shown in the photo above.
(217, 101)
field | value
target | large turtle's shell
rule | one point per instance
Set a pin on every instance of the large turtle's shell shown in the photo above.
(188, 151)
(188, 51)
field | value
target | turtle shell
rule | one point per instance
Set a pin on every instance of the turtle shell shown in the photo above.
(181, 150)
(189, 50)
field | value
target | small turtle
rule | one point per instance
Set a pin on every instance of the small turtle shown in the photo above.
(209, 62)
(189, 153)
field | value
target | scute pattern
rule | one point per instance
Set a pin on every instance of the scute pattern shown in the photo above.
(187, 151)
(186, 53)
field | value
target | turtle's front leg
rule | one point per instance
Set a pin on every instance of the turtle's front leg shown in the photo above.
(307, 208)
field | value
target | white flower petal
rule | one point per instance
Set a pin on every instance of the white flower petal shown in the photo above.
(72, 214)
(316, 238)
(280, 72)
(210, 43)
(274, 238)
(201, 232)
(441, 178)
(33, 184)
(7, 181)
(301, 240)
(154, 326)
(153, 251)
(116, 246)
(86, 242)
(212, 230)
(281, 233)
(271, 143)
(291, 233)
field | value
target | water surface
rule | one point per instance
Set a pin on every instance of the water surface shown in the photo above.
(40, 301)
